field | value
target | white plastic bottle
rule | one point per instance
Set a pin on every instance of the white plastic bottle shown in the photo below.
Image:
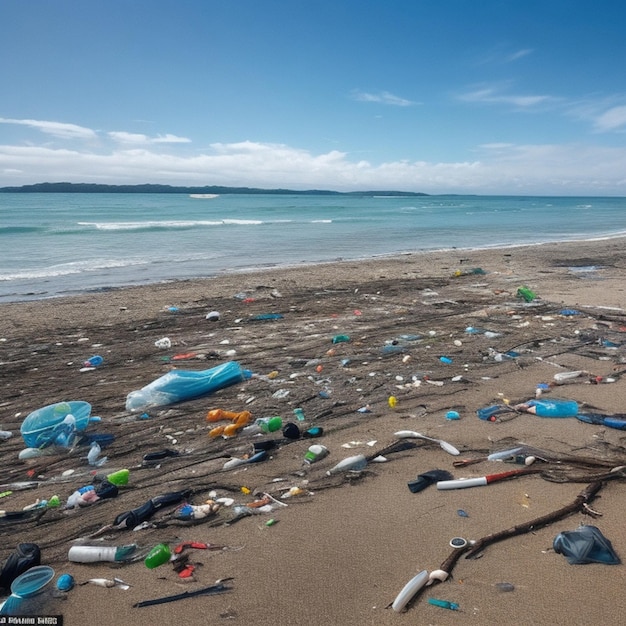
(95, 554)
(351, 464)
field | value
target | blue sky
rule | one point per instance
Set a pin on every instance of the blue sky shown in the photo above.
(453, 96)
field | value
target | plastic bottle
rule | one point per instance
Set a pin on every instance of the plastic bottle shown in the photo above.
(158, 555)
(351, 464)
(552, 407)
(526, 294)
(95, 554)
(63, 434)
(93, 361)
(341, 338)
(299, 413)
(269, 424)
(489, 413)
(315, 453)
(561, 377)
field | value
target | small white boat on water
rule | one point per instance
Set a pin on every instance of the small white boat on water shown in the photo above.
(204, 196)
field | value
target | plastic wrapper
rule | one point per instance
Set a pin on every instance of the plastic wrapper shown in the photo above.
(180, 385)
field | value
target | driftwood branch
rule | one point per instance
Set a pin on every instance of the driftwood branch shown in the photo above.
(580, 504)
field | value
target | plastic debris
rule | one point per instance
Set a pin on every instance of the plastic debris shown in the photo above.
(586, 544)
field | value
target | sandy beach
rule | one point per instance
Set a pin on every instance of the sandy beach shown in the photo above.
(344, 545)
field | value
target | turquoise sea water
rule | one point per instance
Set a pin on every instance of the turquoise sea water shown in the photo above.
(57, 244)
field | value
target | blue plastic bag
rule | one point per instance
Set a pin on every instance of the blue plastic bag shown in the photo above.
(586, 544)
(180, 385)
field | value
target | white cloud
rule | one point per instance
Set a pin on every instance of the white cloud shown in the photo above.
(124, 137)
(57, 129)
(490, 95)
(613, 119)
(383, 97)
(168, 138)
(499, 168)
(520, 54)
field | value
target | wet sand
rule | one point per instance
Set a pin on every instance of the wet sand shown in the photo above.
(341, 550)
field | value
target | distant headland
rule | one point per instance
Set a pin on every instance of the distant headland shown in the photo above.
(212, 189)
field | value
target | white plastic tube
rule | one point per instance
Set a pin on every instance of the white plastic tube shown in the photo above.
(409, 590)
(462, 483)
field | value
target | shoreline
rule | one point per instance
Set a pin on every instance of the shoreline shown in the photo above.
(309, 266)
(342, 551)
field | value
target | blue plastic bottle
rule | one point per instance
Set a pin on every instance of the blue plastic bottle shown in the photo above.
(553, 407)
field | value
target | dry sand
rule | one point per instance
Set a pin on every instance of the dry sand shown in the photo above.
(340, 555)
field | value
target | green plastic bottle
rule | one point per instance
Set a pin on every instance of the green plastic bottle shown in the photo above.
(158, 555)
(270, 424)
(527, 294)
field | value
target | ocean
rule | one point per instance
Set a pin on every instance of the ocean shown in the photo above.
(54, 244)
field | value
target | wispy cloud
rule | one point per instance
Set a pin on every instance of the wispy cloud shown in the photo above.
(491, 95)
(382, 97)
(56, 129)
(519, 54)
(127, 138)
(612, 119)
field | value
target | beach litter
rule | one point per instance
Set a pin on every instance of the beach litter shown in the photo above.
(586, 544)
(355, 375)
(217, 588)
(181, 385)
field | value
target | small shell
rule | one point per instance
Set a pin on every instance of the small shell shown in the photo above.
(438, 574)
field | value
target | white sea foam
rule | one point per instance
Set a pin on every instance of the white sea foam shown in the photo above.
(107, 240)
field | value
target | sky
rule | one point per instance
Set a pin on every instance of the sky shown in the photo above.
(514, 97)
